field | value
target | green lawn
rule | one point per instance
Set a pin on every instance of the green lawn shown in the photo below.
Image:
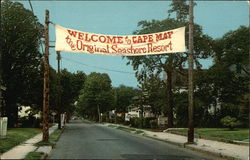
(130, 130)
(34, 155)
(53, 138)
(15, 136)
(126, 129)
(112, 126)
(223, 134)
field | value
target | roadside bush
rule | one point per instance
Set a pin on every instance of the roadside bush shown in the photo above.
(126, 123)
(230, 122)
(29, 121)
(146, 122)
(143, 122)
(153, 123)
(119, 119)
(136, 122)
(139, 122)
(132, 122)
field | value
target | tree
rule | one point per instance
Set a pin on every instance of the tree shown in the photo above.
(244, 109)
(96, 97)
(154, 88)
(54, 89)
(233, 50)
(225, 84)
(181, 109)
(66, 93)
(170, 63)
(124, 96)
(77, 83)
(63, 95)
(71, 84)
(21, 59)
(180, 8)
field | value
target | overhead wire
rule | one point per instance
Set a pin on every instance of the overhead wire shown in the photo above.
(102, 68)
(31, 7)
(71, 60)
(39, 40)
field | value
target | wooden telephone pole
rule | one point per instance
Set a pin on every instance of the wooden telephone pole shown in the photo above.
(59, 84)
(190, 76)
(46, 81)
(1, 109)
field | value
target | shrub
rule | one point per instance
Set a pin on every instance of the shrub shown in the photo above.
(139, 122)
(142, 122)
(136, 122)
(29, 121)
(230, 122)
(132, 122)
(120, 119)
(153, 123)
(146, 122)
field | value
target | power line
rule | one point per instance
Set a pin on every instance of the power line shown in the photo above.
(31, 7)
(71, 60)
(112, 70)
(39, 40)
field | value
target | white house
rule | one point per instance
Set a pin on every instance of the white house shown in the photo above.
(135, 111)
(24, 111)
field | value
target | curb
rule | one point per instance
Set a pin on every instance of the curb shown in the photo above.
(167, 141)
(183, 145)
(219, 140)
(219, 155)
(187, 146)
(46, 155)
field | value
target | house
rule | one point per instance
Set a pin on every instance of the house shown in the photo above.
(135, 111)
(25, 111)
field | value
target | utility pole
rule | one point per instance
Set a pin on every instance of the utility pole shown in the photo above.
(1, 99)
(115, 106)
(46, 81)
(59, 85)
(1, 107)
(99, 113)
(190, 76)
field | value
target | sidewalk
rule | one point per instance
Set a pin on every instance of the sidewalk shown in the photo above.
(220, 149)
(20, 151)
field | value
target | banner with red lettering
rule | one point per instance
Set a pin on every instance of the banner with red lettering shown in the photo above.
(69, 40)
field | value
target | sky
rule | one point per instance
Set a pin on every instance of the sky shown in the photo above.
(121, 18)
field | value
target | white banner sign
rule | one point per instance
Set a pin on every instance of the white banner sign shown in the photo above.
(69, 40)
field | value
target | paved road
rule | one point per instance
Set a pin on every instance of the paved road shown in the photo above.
(84, 140)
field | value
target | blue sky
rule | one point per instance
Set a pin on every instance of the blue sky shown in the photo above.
(121, 18)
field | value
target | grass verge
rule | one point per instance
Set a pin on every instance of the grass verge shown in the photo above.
(130, 130)
(221, 134)
(53, 138)
(138, 132)
(16, 136)
(126, 129)
(34, 155)
(112, 126)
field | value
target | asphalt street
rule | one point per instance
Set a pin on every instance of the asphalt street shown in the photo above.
(85, 140)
